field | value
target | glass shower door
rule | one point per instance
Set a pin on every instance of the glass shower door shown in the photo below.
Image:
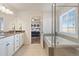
(66, 21)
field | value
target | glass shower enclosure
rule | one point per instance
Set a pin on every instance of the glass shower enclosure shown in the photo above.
(64, 37)
(67, 30)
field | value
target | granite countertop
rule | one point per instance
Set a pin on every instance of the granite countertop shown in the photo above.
(10, 33)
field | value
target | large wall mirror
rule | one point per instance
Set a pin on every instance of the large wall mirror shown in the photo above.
(1, 24)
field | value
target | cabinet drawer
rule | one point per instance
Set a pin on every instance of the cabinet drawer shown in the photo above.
(1, 41)
(3, 50)
(16, 42)
(16, 47)
(21, 39)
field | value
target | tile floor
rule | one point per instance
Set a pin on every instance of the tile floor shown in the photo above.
(69, 51)
(31, 50)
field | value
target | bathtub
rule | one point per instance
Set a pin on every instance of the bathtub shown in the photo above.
(48, 40)
(60, 42)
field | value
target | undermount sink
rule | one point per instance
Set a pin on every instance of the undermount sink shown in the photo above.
(2, 36)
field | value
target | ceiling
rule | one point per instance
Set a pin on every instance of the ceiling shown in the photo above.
(66, 4)
(29, 6)
(63, 7)
(35, 6)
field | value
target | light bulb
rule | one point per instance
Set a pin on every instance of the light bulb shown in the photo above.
(10, 12)
(5, 10)
(32, 19)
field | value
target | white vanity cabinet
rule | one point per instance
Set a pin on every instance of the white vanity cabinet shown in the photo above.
(17, 42)
(7, 46)
(10, 45)
(21, 39)
(3, 49)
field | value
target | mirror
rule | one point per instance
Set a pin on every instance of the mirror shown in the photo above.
(1, 24)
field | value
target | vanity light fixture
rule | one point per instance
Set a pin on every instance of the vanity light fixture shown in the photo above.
(2, 8)
(33, 19)
(8, 11)
(5, 10)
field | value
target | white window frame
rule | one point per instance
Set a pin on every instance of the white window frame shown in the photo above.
(60, 22)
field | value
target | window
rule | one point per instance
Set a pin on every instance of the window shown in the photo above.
(68, 22)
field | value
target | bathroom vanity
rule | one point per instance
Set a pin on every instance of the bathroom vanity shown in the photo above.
(11, 42)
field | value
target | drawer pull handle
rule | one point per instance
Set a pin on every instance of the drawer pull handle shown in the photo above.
(8, 44)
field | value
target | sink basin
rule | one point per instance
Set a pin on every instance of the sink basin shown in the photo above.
(1, 34)
(2, 37)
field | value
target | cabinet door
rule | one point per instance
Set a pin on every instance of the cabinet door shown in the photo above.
(10, 46)
(16, 42)
(3, 50)
(21, 39)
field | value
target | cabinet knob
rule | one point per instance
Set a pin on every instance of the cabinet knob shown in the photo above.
(8, 44)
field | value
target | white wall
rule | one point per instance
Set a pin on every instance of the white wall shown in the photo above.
(24, 18)
(47, 22)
